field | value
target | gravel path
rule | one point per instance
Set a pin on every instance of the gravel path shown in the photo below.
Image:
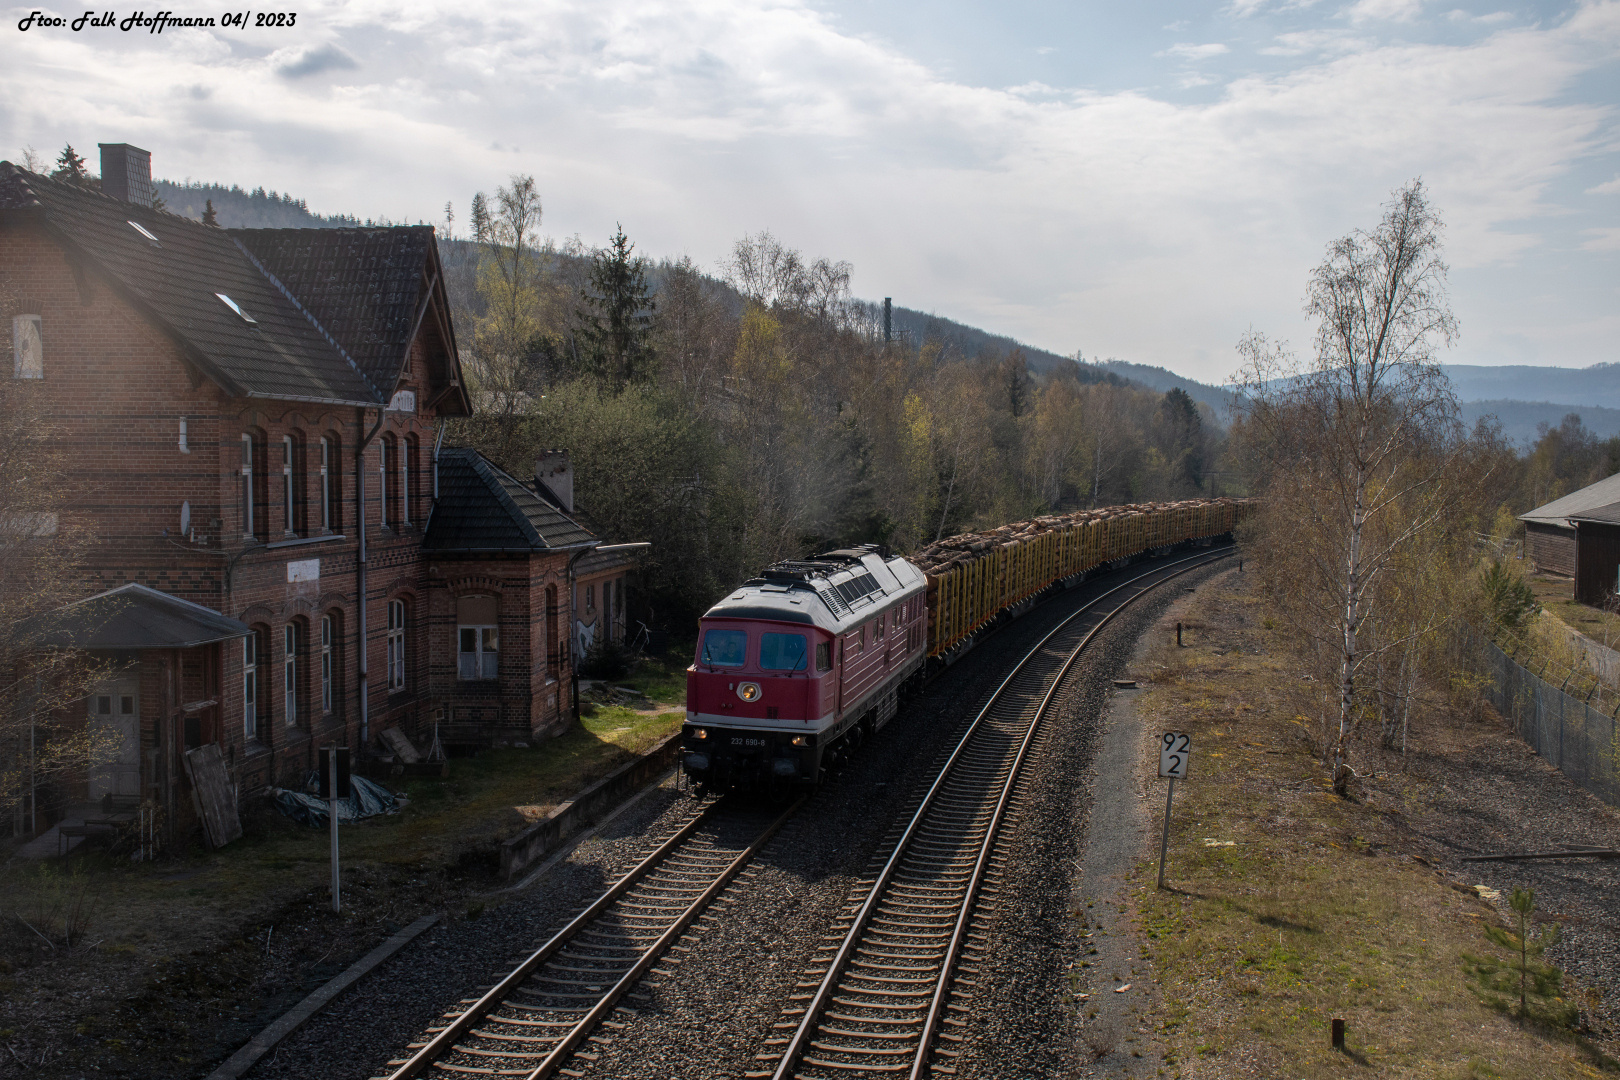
(1030, 1020)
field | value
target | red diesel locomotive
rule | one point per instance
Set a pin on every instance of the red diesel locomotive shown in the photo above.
(799, 665)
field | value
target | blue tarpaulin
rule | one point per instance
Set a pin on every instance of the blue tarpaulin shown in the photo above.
(366, 799)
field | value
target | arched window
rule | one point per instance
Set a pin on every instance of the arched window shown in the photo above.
(326, 484)
(396, 646)
(407, 469)
(292, 486)
(553, 634)
(328, 668)
(249, 452)
(292, 642)
(250, 687)
(27, 347)
(385, 457)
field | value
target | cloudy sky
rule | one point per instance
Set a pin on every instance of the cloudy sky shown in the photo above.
(1143, 181)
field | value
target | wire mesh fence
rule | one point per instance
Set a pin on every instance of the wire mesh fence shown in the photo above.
(1564, 713)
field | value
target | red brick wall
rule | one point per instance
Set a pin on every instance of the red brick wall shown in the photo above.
(118, 386)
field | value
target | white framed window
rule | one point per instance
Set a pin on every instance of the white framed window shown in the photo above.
(289, 664)
(287, 487)
(326, 485)
(396, 645)
(250, 686)
(382, 482)
(405, 451)
(247, 485)
(477, 637)
(326, 661)
(185, 447)
(27, 347)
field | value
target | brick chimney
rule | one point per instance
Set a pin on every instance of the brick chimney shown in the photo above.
(554, 473)
(126, 173)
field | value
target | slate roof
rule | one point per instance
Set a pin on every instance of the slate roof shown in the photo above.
(132, 616)
(482, 508)
(363, 285)
(335, 330)
(1608, 515)
(1576, 503)
(597, 561)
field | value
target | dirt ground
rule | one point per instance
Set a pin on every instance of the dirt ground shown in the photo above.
(1288, 906)
(162, 969)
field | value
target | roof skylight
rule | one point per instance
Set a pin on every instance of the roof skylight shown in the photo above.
(155, 241)
(234, 306)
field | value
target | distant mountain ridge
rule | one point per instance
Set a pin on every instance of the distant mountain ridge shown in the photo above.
(1576, 387)
(238, 209)
(1521, 397)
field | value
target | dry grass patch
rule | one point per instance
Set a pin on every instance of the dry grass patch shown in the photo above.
(1290, 906)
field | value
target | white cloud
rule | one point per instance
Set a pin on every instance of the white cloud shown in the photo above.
(1608, 187)
(1144, 228)
(1303, 42)
(1186, 50)
(1364, 11)
(1602, 240)
(299, 63)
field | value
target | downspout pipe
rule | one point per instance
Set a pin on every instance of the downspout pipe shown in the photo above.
(360, 573)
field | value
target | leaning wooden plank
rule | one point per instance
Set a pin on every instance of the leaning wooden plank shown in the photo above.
(216, 795)
(400, 744)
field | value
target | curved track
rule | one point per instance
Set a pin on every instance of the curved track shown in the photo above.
(885, 988)
(544, 1012)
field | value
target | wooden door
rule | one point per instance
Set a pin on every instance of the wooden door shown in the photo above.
(115, 730)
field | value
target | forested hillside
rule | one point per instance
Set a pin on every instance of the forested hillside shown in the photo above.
(760, 414)
(238, 209)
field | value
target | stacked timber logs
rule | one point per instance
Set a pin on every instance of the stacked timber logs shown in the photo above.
(944, 555)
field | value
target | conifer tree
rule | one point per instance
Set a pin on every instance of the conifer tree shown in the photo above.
(70, 167)
(617, 319)
(209, 217)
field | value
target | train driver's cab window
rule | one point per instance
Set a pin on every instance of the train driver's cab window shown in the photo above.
(723, 648)
(782, 652)
(823, 656)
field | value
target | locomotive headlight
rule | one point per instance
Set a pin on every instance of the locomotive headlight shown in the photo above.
(800, 740)
(748, 691)
(701, 733)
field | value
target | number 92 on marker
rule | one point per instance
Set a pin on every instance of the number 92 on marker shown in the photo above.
(1174, 749)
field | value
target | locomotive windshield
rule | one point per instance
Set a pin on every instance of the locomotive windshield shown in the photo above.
(724, 648)
(781, 652)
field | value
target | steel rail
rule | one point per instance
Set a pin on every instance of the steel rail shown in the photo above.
(655, 952)
(931, 1023)
(794, 1052)
(446, 1039)
(445, 1042)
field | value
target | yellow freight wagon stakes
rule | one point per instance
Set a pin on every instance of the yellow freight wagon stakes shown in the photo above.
(975, 576)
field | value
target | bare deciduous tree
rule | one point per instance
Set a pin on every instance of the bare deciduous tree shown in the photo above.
(1362, 448)
(43, 739)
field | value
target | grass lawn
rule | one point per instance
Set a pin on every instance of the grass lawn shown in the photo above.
(1554, 594)
(450, 829)
(1290, 906)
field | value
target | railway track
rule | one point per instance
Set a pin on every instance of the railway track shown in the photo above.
(546, 1010)
(886, 987)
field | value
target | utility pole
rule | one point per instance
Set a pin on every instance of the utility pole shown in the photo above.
(888, 319)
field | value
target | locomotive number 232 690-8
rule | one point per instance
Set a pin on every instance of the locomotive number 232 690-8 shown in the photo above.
(738, 741)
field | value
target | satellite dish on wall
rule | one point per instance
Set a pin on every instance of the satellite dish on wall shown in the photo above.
(185, 518)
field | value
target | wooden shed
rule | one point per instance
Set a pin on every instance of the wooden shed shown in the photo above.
(1550, 530)
(1597, 554)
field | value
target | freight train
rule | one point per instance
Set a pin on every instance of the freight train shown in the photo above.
(798, 666)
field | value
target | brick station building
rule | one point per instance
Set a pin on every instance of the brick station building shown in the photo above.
(276, 564)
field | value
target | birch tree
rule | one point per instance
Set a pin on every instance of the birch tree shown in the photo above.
(1362, 443)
